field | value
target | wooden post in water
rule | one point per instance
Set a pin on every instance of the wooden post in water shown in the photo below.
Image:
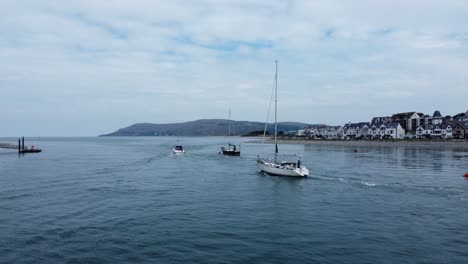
(22, 147)
(19, 145)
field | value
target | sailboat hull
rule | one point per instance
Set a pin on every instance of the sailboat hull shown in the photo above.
(277, 170)
(231, 152)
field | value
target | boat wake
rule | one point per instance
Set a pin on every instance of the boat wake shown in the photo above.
(445, 191)
(370, 184)
(347, 180)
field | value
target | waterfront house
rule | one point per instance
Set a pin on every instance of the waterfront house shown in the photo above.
(310, 132)
(460, 131)
(437, 131)
(375, 131)
(332, 132)
(421, 132)
(363, 131)
(443, 131)
(323, 131)
(394, 130)
(447, 119)
(356, 130)
(409, 121)
(387, 131)
(301, 133)
(461, 118)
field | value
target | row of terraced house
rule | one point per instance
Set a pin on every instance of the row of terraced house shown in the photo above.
(408, 125)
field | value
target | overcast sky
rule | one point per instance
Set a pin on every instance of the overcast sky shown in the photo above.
(83, 68)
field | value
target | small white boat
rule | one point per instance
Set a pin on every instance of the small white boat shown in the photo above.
(275, 166)
(178, 150)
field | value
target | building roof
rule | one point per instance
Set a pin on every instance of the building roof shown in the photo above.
(406, 115)
(356, 125)
(437, 114)
(386, 125)
(426, 127)
(395, 124)
(441, 126)
(463, 125)
(380, 119)
(362, 124)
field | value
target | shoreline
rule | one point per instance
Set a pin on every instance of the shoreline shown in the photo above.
(371, 143)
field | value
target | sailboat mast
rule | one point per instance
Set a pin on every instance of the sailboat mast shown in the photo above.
(276, 110)
(229, 123)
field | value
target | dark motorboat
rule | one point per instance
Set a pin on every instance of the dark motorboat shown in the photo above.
(231, 150)
(178, 150)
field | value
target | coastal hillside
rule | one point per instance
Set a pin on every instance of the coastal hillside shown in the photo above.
(203, 127)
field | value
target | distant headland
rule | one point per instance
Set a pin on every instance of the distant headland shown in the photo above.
(204, 127)
(406, 125)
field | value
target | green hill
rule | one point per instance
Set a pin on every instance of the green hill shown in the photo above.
(203, 127)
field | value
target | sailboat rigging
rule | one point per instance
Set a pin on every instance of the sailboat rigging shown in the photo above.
(231, 149)
(276, 166)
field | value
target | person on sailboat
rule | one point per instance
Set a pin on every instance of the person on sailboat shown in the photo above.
(299, 164)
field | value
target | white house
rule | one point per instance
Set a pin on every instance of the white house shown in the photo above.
(356, 130)
(446, 131)
(325, 132)
(335, 132)
(388, 130)
(443, 131)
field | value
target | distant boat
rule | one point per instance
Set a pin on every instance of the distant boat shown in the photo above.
(275, 166)
(178, 150)
(231, 149)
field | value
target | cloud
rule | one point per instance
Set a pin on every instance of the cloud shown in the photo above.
(114, 63)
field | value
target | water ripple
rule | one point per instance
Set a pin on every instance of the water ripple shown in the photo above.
(130, 200)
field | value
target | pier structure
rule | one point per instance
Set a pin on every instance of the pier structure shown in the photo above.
(20, 147)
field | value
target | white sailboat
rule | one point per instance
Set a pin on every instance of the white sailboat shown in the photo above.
(276, 166)
(231, 149)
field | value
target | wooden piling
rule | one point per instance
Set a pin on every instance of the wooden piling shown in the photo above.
(22, 149)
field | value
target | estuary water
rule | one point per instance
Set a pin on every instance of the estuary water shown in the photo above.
(129, 200)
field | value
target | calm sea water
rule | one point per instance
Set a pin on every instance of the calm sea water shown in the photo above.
(128, 200)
